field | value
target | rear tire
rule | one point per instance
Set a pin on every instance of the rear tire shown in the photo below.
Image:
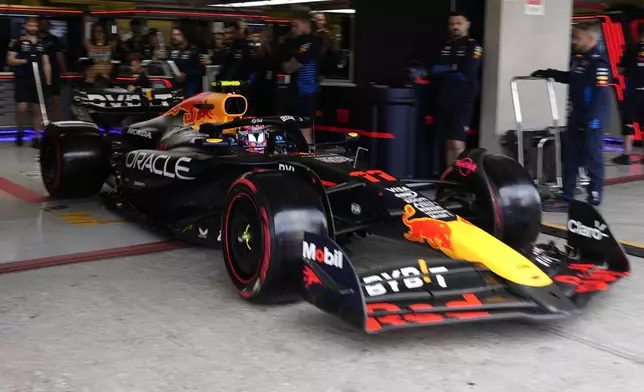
(262, 232)
(73, 160)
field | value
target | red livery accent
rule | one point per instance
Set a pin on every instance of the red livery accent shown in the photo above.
(376, 323)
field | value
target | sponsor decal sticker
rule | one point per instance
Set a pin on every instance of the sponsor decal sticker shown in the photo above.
(595, 233)
(323, 256)
(333, 159)
(285, 167)
(159, 164)
(421, 203)
(139, 132)
(466, 166)
(408, 277)
(310, 277)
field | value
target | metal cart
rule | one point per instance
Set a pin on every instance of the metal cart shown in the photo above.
(554, 130)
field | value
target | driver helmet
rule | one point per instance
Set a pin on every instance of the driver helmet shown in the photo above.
(253, 138)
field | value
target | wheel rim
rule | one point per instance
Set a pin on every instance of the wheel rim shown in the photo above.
(245, 239)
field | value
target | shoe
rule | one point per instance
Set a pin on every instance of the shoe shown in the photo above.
(622, 159)
(594, 198)
(35, 143)
(19, 137)
(556, 205)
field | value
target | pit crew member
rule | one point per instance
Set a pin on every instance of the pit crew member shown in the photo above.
(237, 64)
(55, 50)
(186, 57)
(588, 118)
(457, 76)
(22, 52)
(303, 65)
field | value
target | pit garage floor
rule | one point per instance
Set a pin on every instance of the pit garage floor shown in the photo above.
(162, 317)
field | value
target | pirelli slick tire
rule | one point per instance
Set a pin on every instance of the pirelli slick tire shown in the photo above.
(73, 159)
(262, 231)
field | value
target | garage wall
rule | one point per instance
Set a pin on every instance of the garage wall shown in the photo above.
(516, 44)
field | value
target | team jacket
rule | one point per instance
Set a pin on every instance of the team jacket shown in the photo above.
(589, 92)
(187, 60)
(237, 62)
(457, 71)
(633, 63)
(307, 53)
(26, 50)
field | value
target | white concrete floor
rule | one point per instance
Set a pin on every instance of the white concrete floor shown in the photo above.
(172, 321)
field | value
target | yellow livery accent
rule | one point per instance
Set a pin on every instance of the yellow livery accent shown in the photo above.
(473, 244)
(461, 240)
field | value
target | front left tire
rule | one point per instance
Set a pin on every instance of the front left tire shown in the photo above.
(263, 224)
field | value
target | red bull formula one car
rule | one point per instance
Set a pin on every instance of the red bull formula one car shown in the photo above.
(284, 218)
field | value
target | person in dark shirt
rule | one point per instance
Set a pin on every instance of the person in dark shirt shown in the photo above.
(135, 43)
(237, 62)
(303, 66)
(633, 70)
(186, 57)
(457, 76)
(22, 52)
(328, 55)
(152, 48)
(589, 116)
(55, 49)
(263, 76)
(140, 78)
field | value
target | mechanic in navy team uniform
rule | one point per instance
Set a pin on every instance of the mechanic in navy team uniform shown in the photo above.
(633, 70)
(21, 54)
(186, 57)
(457, 76)
(237, 63)
(55, 50)
(588, 118)
(303, 67)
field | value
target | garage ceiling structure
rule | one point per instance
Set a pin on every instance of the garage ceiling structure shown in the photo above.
(245, 5)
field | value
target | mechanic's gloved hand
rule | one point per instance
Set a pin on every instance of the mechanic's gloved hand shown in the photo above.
(542, 73)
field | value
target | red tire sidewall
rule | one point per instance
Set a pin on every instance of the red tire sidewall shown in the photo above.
(248, 288)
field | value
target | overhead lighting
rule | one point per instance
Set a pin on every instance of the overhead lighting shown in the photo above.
(338, 11)
(265, 3)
